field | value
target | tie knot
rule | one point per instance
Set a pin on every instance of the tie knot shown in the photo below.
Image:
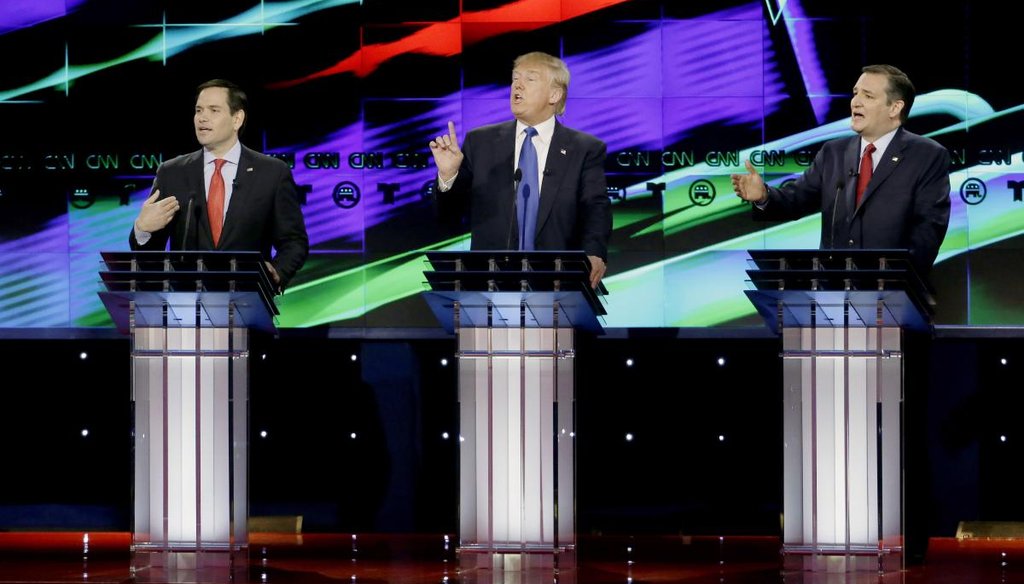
(869, 150)
(530, 131)
(218, 163)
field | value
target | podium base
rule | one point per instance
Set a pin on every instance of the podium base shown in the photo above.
(840, 559)
(516, 563)
(159, 566)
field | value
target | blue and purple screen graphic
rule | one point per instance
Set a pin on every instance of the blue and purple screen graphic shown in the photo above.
(95, 94)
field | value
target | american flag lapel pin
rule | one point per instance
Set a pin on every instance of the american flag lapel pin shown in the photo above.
(563, 151)
(895, 159)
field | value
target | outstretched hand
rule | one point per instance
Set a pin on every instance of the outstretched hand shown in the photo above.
(749, 186)
(156, 214)
(447, 155)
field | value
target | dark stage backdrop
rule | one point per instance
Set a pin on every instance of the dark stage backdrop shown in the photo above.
(96, 93)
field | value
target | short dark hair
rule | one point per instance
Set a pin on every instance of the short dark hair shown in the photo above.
(900, 87)
(237, 100)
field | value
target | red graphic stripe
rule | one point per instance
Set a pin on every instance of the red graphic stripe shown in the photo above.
(446, 39)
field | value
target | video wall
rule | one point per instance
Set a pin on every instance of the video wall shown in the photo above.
(95, 94)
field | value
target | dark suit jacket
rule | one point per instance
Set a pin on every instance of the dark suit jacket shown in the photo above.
(906, 204)
(574, 211)
(264, 211)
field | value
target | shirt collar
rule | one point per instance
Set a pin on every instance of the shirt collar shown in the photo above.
(233, 155)
(881, 143)
(545, 129)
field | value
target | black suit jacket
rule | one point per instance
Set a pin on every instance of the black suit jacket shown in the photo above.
(574, 211)
(905, 206)
(264, 211)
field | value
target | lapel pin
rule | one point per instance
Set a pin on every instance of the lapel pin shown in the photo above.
(249, 169)
(562, 151)
(895, 159)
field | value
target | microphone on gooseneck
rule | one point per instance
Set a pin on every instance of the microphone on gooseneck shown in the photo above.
(188, 220)
(198, 212)
(516, 179)
(840, 186)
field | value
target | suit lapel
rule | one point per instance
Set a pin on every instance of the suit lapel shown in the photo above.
(197, 188)
(505, 141)
(244, 177)
(892, 156)
(851, 161)
(554, 172)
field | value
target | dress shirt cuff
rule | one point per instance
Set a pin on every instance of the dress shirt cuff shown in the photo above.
(445, 185)
(142, 237)
(763, 204)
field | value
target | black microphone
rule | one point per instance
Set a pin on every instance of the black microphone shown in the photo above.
(188, 220)
(840, 185)
(199, 214)
(516, 179)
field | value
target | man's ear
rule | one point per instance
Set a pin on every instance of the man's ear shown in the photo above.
(555, 96)
(896, 108)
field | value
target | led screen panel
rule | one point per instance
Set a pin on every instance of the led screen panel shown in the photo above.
(96, 94)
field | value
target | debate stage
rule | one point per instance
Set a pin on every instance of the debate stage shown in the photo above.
(104, 557)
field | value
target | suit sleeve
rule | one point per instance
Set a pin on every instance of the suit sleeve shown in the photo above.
(289, 227)
(595, 212)
(931, 211)
(798, 198)
(158, 239)
(453, 205)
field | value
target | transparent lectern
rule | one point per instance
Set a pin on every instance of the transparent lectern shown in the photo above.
(188, 315)
(515, 315)
(842, 316)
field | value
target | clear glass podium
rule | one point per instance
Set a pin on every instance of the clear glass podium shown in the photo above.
(515, 315)
(188, 315)
(842, 316)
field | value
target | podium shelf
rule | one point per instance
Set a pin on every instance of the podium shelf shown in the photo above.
(566, 309)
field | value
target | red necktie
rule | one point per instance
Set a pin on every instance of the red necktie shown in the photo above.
(865, 172)
(215, 201)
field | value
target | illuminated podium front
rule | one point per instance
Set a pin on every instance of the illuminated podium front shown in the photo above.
(841, 315)
(515, 316)
(189, 315)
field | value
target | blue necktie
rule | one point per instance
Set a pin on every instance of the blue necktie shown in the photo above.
(529, 193)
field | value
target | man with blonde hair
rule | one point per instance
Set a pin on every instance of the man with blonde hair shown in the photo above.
(529, 183)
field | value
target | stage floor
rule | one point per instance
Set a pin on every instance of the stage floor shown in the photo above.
(104, 557)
